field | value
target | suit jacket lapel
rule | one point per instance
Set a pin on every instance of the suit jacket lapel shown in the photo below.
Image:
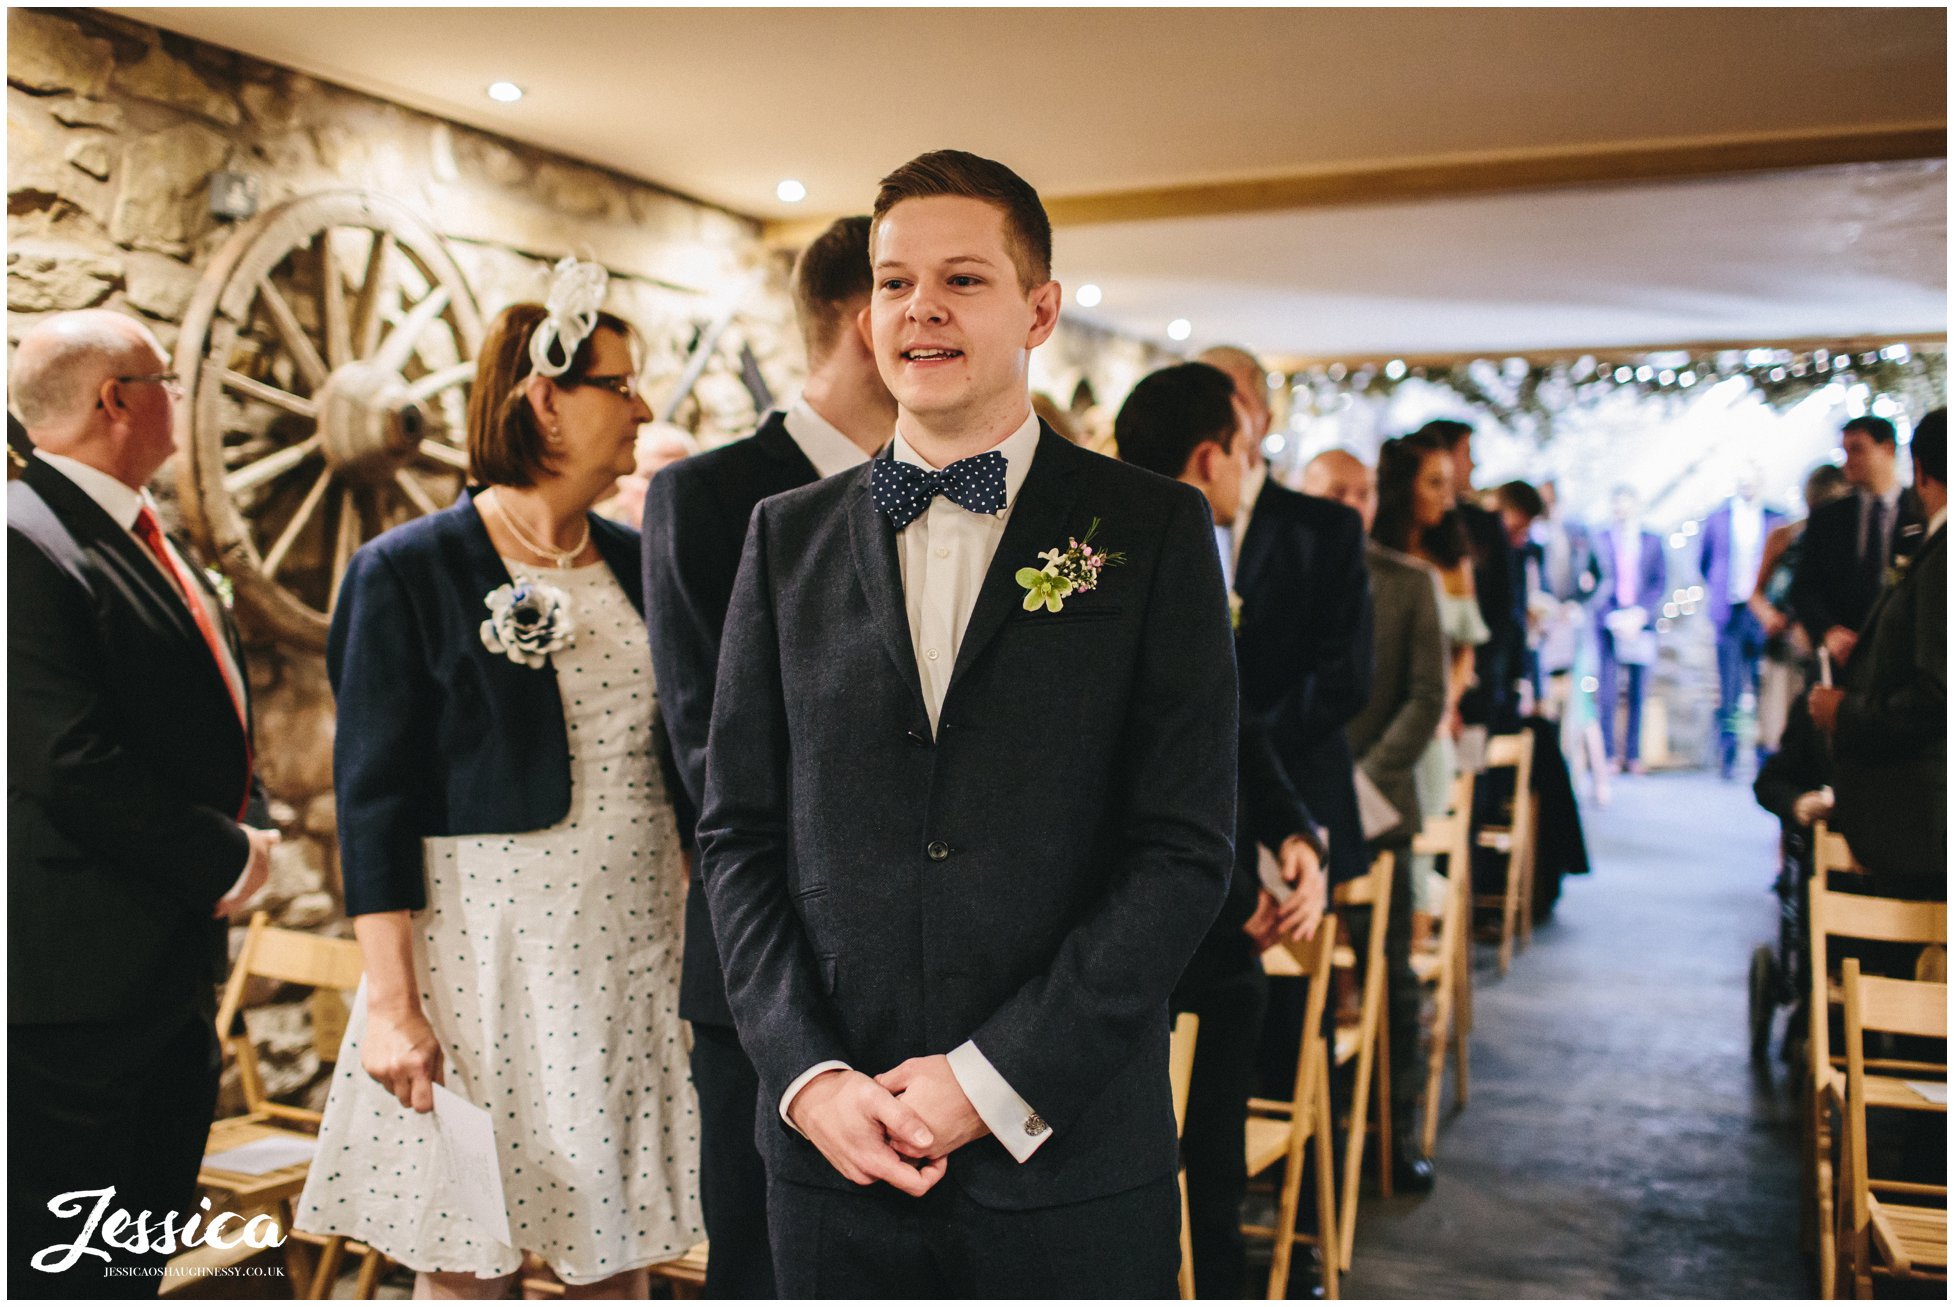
(87, 520)
(779, 443)
(1256, 545)
(1037, 522)
(881, 577)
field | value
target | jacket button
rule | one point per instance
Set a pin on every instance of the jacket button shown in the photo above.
(1034, 1125)
(938, 850)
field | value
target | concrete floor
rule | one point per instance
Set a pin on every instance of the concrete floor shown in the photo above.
(1618, 1143)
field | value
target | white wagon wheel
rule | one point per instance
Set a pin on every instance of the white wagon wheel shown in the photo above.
(327, 354)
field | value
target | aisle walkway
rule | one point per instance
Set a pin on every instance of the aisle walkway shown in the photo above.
(1617, 1143)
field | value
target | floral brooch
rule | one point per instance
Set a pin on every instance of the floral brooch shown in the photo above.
(1069, 571)
(528, 621)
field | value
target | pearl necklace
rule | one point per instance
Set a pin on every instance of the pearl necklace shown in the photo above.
(563, 561)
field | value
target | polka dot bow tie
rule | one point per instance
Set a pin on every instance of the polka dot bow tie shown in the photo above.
(903, 490)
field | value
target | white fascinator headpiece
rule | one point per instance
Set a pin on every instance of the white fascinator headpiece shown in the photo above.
(576, 295)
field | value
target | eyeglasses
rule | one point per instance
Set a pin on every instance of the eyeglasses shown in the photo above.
(170, 381)
(624, 387)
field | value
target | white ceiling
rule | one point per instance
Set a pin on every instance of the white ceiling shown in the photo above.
(724, 103)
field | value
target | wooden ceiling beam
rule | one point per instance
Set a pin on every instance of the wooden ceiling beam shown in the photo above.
(1484, 174)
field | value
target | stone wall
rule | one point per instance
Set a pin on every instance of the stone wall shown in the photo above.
(114, 132)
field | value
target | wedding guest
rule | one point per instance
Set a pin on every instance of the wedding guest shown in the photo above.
(1182, 422)
(1730, 554)
(131, 828)
(694, 527)
(967, 817)
(1391, 733)
(659, 445)
(1340, 475)
(1787, 649)
(510, 855)
(1519, 506)
(1493, 700)
(1633, 581)
(1888, 720)
(1849, 545)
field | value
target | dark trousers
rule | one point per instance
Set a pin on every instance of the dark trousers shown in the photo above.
(876, 1242)
(1610, 694)
(1213, 1139)
(732, 1181)
(1740, 643)
(98, 1105)
(1401, 999)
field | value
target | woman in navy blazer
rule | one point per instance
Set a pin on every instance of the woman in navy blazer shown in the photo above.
(508, 849)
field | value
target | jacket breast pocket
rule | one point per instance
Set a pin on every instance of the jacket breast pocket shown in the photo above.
(1042, 620)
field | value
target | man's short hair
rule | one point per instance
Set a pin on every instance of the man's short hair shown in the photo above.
(1171, 413)
(831, 273)
(1878, 430)
(1522, 499)
(1930, 446)
(1445, 433)
(1027, 231)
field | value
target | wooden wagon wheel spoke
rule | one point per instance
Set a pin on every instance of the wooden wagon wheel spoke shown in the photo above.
(373, 290)
(346, 535)
(294, 349)
(292, 333)
(332, 291)
(445, 454)
(426, 388)
(275, 556)
(399, 346)
(285, 399)
(272, 466)
(416, 493)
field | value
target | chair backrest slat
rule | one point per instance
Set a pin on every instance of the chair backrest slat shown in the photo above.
(1903, 1007)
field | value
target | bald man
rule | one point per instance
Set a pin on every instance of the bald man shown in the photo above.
(1340, 475)
(128, 781)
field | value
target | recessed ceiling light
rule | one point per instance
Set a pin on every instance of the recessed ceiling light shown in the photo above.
(1087, 297)
(506, 92)
(790, 192)
(1180, 329)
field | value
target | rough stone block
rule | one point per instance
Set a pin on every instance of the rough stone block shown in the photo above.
(46, 54)
(298, 866)
(43, 276)
(159, 285)
(92, 157)
(161, 204)
(162, 77)
(83, 112)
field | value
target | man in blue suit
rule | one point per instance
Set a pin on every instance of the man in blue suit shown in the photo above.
(696, 513)
(970, 803)
(1732, 548)
(1629, 599)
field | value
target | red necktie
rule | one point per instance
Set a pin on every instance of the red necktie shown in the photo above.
(150, 532)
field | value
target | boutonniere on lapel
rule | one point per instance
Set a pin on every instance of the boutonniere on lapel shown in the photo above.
(1234, 612)
(1897, 569)
(528, 621)
(226, 592)
(1073, 570)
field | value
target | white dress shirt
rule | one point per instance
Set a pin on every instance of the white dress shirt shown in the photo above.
(825, 446)
(944, 555)
(1746, 547)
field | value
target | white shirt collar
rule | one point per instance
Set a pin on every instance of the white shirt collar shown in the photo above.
(1017, 448)
(119, 500)
(1938, 521)
(824, 444)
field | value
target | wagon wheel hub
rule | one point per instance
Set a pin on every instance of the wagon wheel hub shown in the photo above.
(370, 422)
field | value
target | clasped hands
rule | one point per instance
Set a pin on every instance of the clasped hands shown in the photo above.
(882, 1128)
(1298, 915)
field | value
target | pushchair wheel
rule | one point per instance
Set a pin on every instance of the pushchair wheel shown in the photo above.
(1765, 985)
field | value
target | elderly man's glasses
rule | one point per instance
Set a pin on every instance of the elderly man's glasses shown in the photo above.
(170, 381)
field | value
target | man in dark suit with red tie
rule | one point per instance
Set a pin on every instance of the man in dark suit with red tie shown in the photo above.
(129, 781)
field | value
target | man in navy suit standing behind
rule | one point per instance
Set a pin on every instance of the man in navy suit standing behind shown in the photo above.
(696, 512)
(970, 803)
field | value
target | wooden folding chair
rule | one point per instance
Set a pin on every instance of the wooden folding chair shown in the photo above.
(1180, 1078)
(328, 966)
(1364, 1041)
(1281, 1131)
(1515, 841)
(1447, 970)
(1881, 1235)
(1834, 915)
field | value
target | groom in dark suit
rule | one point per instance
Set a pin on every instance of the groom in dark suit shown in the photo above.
(128, 783)
(969, 803)
(695, 524)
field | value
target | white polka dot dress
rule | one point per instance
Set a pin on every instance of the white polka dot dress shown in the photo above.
(549, 968)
